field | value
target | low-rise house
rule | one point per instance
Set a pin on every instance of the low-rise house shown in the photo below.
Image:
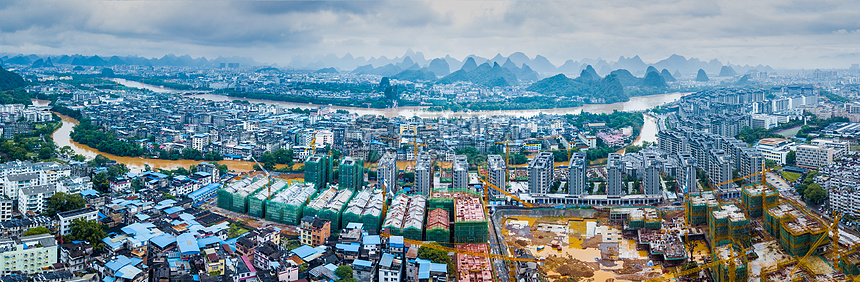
(371, 248)
(245, 271)
(119, 184)
(363, 270)
(214, 260)
(390, 268)
(315, 231)
(64, 219)
(75, 257)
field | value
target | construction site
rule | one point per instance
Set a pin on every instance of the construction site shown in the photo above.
(758, 236)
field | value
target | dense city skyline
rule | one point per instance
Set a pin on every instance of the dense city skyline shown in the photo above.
(800, 34)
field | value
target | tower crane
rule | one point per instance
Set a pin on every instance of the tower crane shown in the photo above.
(269, 177)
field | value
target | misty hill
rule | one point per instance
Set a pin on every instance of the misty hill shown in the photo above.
(727, 71)
(605, 90)
(667, 76)
(326, 70)
(10, 80)
(99, 61)
(486, 75)
(439, 67)
(386, 70)
(701, 76)
(419, 75)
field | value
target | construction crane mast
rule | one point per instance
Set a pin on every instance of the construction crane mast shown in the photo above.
(269, 177)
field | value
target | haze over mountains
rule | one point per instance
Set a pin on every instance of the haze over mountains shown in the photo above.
(540, 64)
(525, 68)
(81, 60)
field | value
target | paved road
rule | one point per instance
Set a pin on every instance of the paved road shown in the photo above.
(499, 267)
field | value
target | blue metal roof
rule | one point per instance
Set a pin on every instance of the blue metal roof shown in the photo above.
(362, 263)
(395, 241)
(351, 247)
(118, 263)
(187, 244)
(423, 268)
(202, 242)
(438, 267)
(386, 260)
(89, 192)
(206, 189)
(304, 251)
(371, 240)
(173, 210)
(163, 240)
(128, 272)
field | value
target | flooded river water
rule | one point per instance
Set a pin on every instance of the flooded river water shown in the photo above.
(62, 138)
(649, 130)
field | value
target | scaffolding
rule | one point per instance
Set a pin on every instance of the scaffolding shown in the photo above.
(257, 203)
(286, 205)
(729, 223)
(648, 218)
(849, 263)
(406, 216)
(782, 270)
(731, 269)
(234, 196)
(438, 226)
(473, 268)
(352, 213)
(329, 204)
(699, 205)
(796, 230)
(470, 222)
(757, 198)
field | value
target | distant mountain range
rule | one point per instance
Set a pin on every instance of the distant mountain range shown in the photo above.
(524, 67)
(81, 60)
(675, 64)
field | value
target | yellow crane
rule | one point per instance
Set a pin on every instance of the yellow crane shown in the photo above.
(508, 151)
(569, 150)
(269, 177)
(526, 204)
(833, 227)
(683, 273)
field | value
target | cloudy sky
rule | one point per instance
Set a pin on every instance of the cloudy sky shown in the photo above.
(780, 33)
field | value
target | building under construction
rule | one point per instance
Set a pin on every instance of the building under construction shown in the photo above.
(235, 196)
(849, 263)
(438, 226)
(473, 268)
(405, 216)
(365, 208)
(727, 224)
(795, 229)
(665, 246)
(351, 173)
(286, 205)
(733, 266)
(257, 203)
(757, 198)
(329, 204)
(633, 218)
(782, 272)
(699, 205)
(470, 222)
(318, 170)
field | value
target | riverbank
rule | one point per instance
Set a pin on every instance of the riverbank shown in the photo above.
(62, 137)
(636, 104)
